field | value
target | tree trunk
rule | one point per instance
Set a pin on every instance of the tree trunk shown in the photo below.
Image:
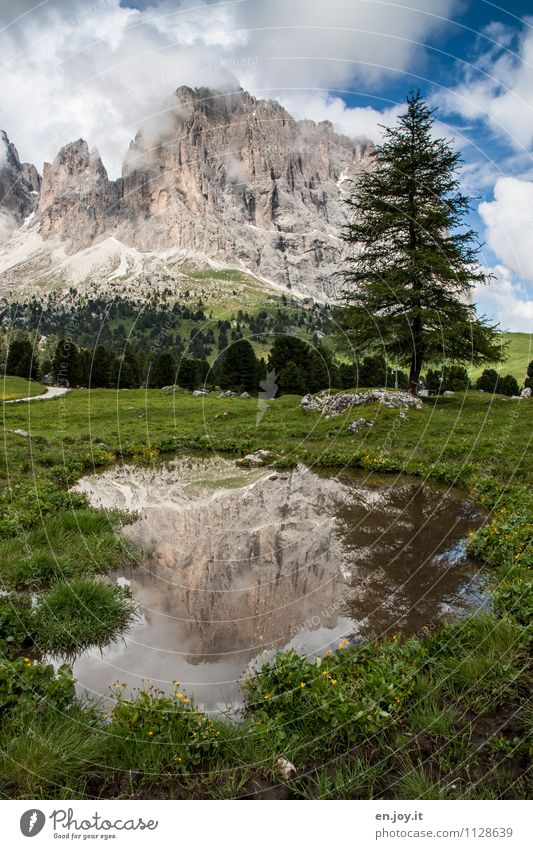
(416, 358)
(414, 378)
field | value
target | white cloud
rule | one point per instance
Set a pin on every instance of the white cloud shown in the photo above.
(498, 85)
(8, 224)
(98, 70)
(507, 301)
(509, 224)
(3, 152)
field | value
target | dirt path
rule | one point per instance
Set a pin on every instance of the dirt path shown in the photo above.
(51, 392)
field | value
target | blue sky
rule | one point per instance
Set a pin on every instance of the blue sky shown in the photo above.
(103, 69)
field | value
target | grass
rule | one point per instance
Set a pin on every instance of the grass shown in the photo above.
(518, 354)
(451, 438)
(47, 756)
(443, 715)
(12, 388)
(80, 613)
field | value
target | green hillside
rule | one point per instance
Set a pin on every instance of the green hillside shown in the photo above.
(19, 387)
(519, 353)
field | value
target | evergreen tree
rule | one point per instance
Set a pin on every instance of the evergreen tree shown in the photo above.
(347, 375)
(292, 379)
(20, 360)
(163, 370)
(373, 371)
(488, 380)
(125, 370)
(408, 282)
(455, 379)
(508, 385)
(433, 380)
(101, 367)
(238, 367)
(188, 374)
(528, 382)
(65, 363)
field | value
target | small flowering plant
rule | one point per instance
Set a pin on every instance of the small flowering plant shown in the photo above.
(346, 693)
(183, 733)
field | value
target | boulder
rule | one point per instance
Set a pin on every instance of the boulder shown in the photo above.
(258, 458)
(335, 405)
(358, 424)
(526, 392)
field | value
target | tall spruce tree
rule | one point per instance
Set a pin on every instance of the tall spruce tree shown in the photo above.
(414, 264)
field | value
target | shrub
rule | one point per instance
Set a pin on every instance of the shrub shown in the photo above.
(508, 385)
(488, 380)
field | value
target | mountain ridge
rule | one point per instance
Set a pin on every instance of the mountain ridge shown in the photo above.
(222, 175)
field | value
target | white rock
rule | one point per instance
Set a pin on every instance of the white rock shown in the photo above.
(526, 392)
(285, 768)
(335, 405)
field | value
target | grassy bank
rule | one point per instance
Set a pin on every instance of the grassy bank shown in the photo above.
(19, 387)
(445, 715)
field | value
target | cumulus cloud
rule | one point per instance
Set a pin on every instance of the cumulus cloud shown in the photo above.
(100, 70)
(508, 301)
(509, 224)
(3, 152)
(497, 87)
(8, 224)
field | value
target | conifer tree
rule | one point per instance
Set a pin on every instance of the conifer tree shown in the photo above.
(414, 264)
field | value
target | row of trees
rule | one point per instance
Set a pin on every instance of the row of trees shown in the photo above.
(296, 366)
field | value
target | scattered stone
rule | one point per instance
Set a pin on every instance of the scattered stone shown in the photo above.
(245, 394)
(285, 768)
(353, 427)
(200, 393)
(448, 392)
(335, 405)
(21, 432)
(258, 458)
(227, 394)
(526, 392)
(168, 389)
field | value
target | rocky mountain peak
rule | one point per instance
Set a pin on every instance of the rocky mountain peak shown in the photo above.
(19, 182)
(223, 175)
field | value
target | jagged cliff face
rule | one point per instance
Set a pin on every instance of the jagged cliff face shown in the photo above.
(230, 177)
(19, 183)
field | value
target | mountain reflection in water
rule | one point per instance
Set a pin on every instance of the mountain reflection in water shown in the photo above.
(239, 564)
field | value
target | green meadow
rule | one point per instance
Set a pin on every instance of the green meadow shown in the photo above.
(446, 714)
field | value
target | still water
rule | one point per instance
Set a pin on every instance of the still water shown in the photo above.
(238, 564)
